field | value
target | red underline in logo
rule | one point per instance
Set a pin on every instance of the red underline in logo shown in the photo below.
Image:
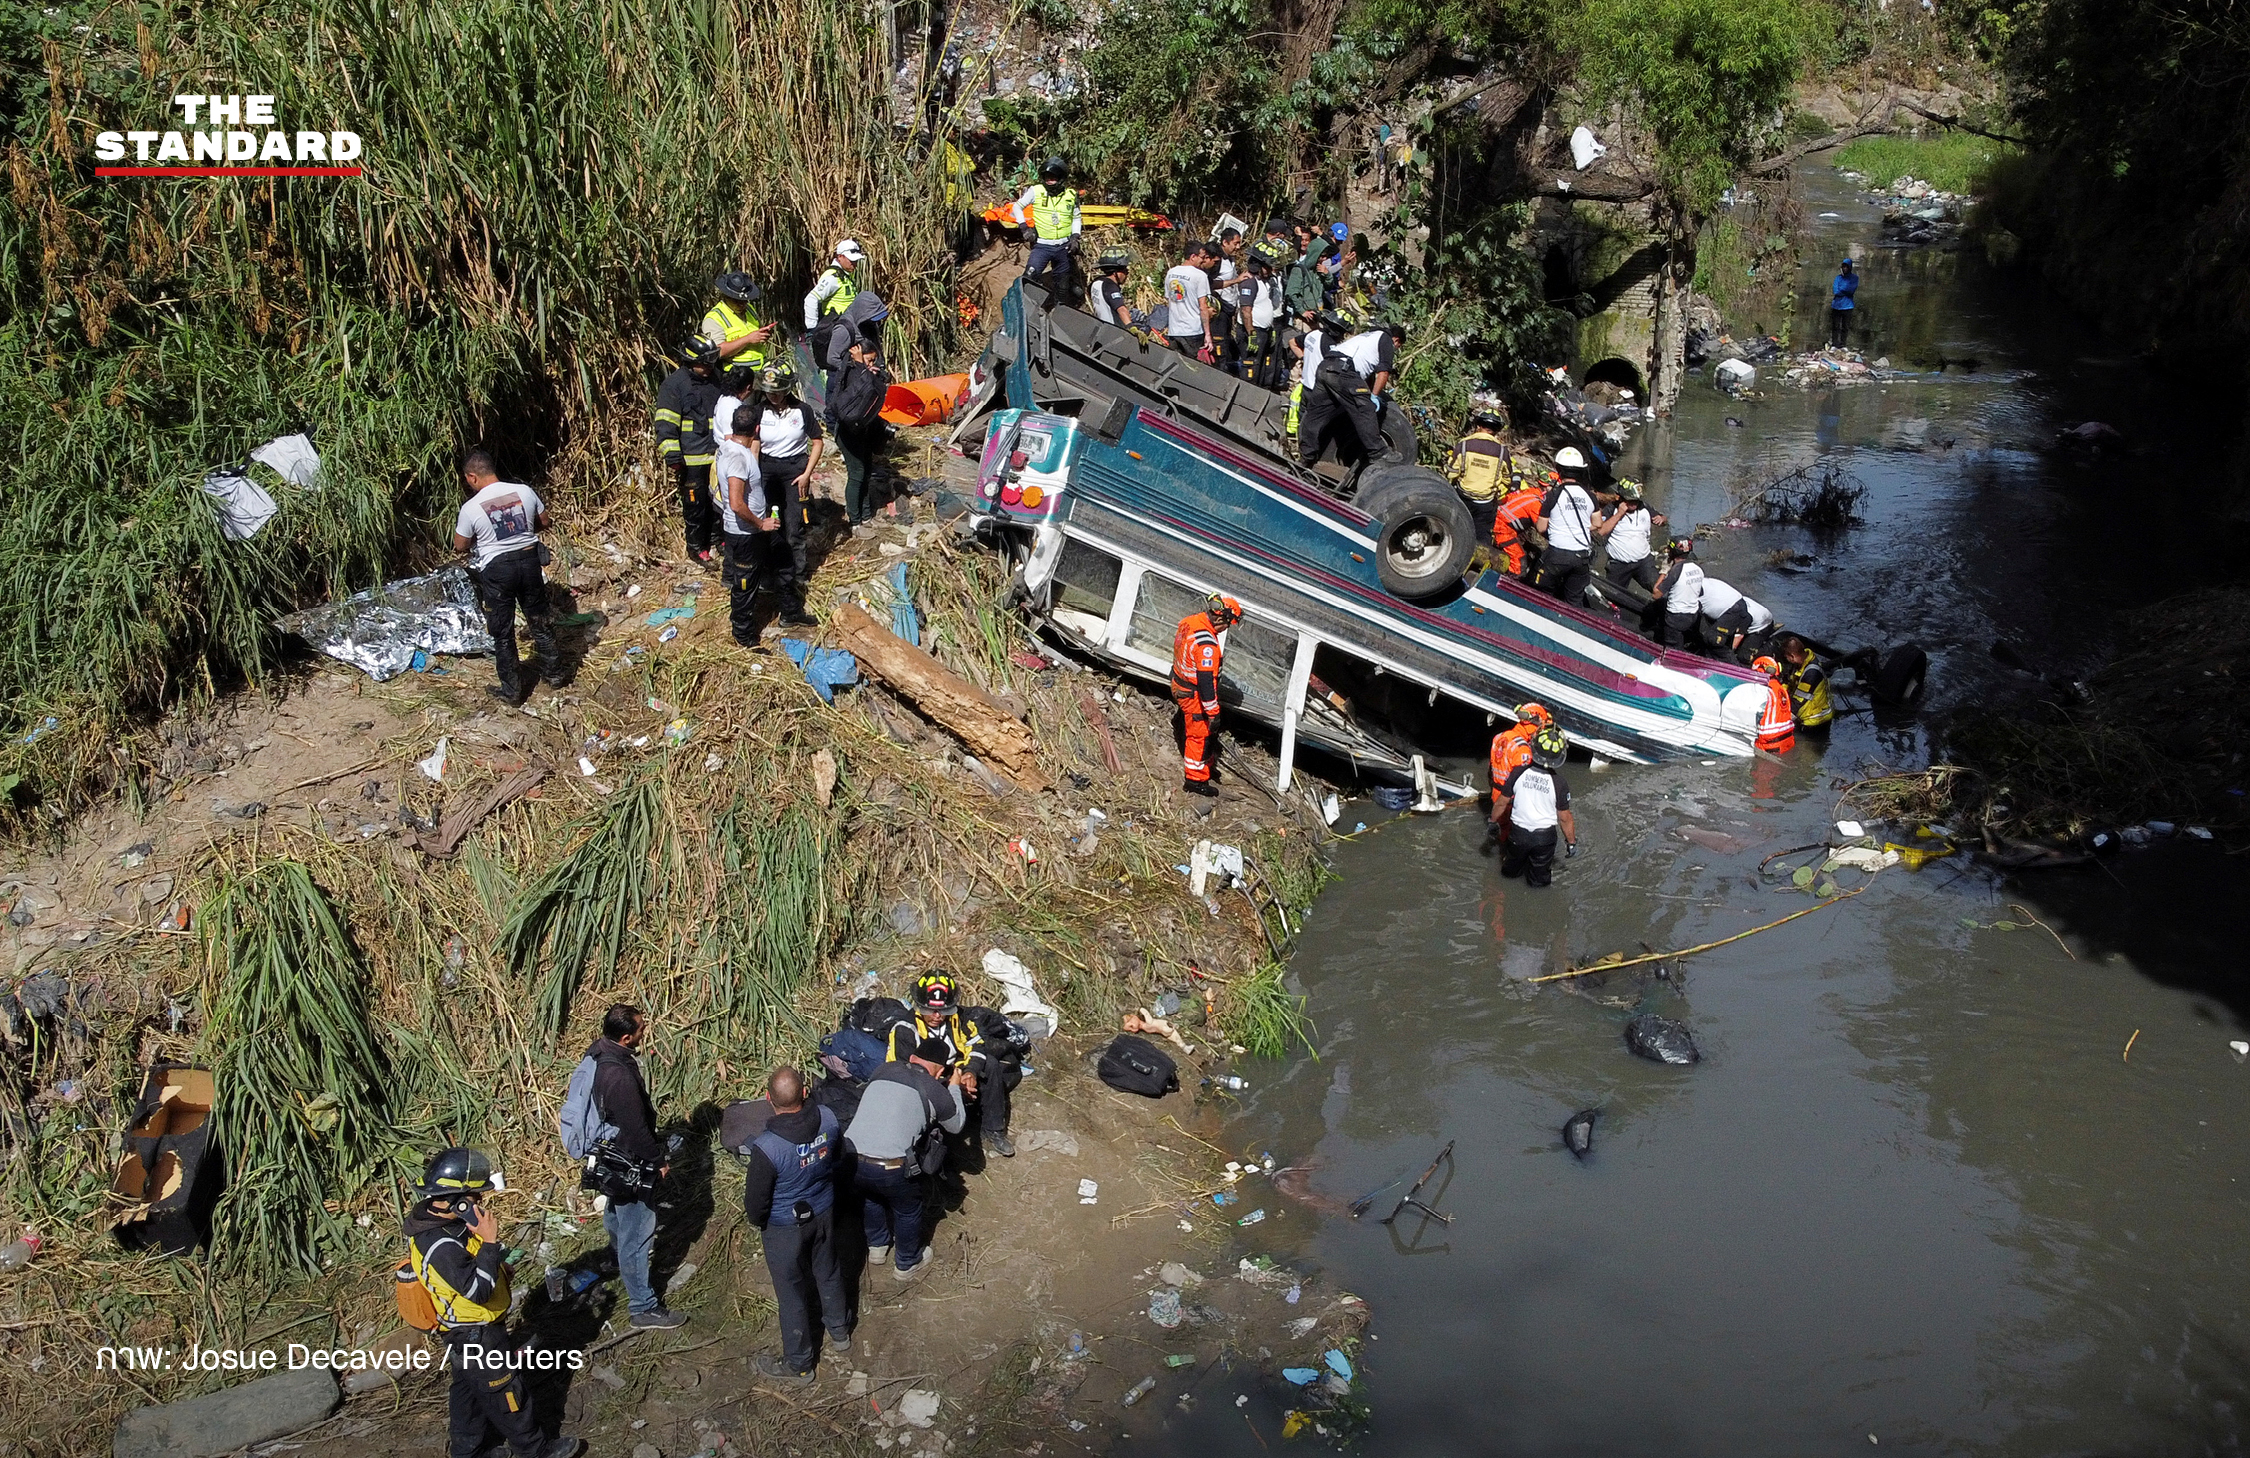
(226, 172)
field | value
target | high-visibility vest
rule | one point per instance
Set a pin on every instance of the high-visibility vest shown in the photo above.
(1511, 749)
(846, 291)
(453, 1308)
(1296, 400)
(1777, 727)
(1195, 651)
(1813, 706)
(1479, 462)
(724, 325)
(1518, 510)
(1053, 213)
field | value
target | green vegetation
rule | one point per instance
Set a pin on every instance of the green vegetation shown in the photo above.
(1269, 1019)
(1949, 162)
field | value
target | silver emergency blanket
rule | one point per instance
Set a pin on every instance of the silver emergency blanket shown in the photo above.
(380, 630)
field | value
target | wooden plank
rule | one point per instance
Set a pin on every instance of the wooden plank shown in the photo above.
(971, 715)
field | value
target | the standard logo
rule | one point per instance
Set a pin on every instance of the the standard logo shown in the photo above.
(227, 148)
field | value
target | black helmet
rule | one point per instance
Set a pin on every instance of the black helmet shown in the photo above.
(936, 994)
(1052, 170)
(781, 376)
(456, 1171)
(700, 351)
(1113, 259)
(736, 286)
(1549, 749)
(1487, 420)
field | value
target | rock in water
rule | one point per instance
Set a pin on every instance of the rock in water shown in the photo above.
(1660, 1039)
(1578, 1134)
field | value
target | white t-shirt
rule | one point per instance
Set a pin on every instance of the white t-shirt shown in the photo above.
(1265, 302)
(783, 433)
(1718, 597)
(1536, 797)
(502, 518)
(1760, 619)
(1686, 592)
(1185, 289)
(737, 459)
(1628, 540)
(722, 415)
(1310, 369)
(1570, 522)
(1365, 351)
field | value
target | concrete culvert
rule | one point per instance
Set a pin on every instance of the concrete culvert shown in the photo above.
(1618, 372)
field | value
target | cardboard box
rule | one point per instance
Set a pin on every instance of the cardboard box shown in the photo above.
(170, 1176)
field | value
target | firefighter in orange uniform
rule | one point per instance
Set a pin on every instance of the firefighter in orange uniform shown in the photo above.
(1196, 656)
(1511, 748)
(1777, 725)
(1512, 523)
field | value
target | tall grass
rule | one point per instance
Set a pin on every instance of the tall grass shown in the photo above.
(582, 911)
(1952, 162)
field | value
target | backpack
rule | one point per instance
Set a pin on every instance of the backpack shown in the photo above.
(582, 1125)
(1136, 1066)
(861, 1052)
(1004, 1037)
(876, 1015)
(415, 1307)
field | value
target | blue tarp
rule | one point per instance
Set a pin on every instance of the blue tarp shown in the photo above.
(826, 669)
(904, 621)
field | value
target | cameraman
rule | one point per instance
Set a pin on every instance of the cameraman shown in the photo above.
(455, 1253)
(621, 1099)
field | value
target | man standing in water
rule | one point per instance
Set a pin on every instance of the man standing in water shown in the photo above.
(1841, 293)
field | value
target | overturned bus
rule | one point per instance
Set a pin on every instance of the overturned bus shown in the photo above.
(1129, 482)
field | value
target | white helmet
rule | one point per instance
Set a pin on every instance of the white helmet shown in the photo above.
(1568, 459)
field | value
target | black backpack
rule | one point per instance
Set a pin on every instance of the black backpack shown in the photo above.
(1136, 1066)
(1003, 1036)
(877, 1015)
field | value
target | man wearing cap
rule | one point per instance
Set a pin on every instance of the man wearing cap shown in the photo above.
(833, 291)
(733, 323)
(1197, 654)
(1533, 804)
(1625, 532)
(897, 1140)
(1566, 519)
(789, 1193)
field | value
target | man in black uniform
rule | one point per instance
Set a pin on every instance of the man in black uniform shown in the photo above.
(1108, 293)
(1353, 373)
(684, 404)
(1533, 804)
(455, 1255)
(789, 1193)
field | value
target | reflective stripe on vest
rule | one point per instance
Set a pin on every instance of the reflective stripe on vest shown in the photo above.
(453, 1308)
(846, 291)
(1194, 647)
(1813, 706)
(1777, 727)
(805, 1172)
(1296, 399)
(1511, 747)
(1518, 510)
(733, 326)
(1052, 213)
(1482, 462)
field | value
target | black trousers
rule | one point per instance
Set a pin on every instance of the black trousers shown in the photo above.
(785, 549)
(806, 1275)
(859, 445)
(1051, 264)
(1341, 402)
(1625, 574)
(486, 1399)
(698, 513)
(995, 1093)
(1226, 334)
(1839, 327)
(1567, 574)
(1484, 514)
(507, 582)
(1678, 631)
(1264, 358)
(746, 577)
(1531, 855)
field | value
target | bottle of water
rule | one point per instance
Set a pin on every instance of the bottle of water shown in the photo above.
(17, 1254)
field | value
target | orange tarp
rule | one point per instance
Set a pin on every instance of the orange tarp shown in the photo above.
(924, 402)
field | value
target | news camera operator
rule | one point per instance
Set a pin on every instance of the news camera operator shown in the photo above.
(629, 1161)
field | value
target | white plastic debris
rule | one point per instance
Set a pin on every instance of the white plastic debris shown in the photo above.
(1735, 374)
(1022, 1000)
(434, 766)
(585, 766)
(1585, 148)
(2241, 1050)
(1863, 858)
(918, 1408)
(1330, 808)
(1850, 829)
(292, 458)
(1088, 1192)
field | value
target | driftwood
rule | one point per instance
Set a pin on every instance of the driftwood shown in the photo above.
(973, 716)
(462, 819)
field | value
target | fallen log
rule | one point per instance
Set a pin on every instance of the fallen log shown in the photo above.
(458, 822)
(971, 715)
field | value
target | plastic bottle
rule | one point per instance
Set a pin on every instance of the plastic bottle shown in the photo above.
(1140, 1390)
(1229, 1080)
(1078, 1344)
(1252, 1218)
(17, 1254)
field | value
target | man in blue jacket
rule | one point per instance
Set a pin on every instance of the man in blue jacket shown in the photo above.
(1841, 294)
(790, 1195)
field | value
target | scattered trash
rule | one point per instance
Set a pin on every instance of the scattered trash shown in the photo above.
(1140, 1390)
(1252, 1218)
(1339, 1364)
(585, 766)
(137, 855)
(1224, 1197)
(1180, 1359)
(1735, 376)
(380, 630)
(1661, 1040)
(1301, 1376)
(1172, 1273)
(918, 1408)
(1088, 1192)
(715, 761)
(1850, 829)
(668, 634)
(434, 767)
(662, 616)
(826, 669)
(1585, 148)
(1025, 849)
(1578, 1133)
(1164, 1308)
(1294, 1295)
(676, 733)
(45, 727)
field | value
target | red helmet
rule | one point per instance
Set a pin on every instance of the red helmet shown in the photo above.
(1765, 665)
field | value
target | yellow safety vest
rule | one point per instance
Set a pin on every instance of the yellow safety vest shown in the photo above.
(453, 1308)
(846, 291)
(1053, 213)
(1813, 706)
(1296, 398)
(723, 326)
(1479, 462)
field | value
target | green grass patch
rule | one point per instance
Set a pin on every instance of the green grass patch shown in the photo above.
(1954, 162)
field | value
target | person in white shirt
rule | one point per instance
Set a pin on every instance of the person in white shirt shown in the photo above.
(789, 447)
(499, 526)
(1346, 382)
(1566, 519)
(1108, 293)
(1229, 304)
(745, 519)
(1625, 533)
(1730, 618)
(1263, 362)
(1680, 591)
(1187, 294)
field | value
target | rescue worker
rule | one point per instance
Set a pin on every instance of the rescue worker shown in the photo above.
(896, 1143)
(1108, 292)
(1511, 749)
(499, 527)
(938, 1013)
(685, 403)
(1809, 699)
(1050, 214)
(455, 1255)
(1228, 302)
(1197, 655)
(789, 1193)
(1352, 377)
(1731, 618)
(1679, 595)
(1777, 723)
(1534, 803)
(833, 291)
(1625, 534)
(1261, 293)
(1515, 523)
(746, 519)
(733, 323)
(789, 447)
(1566, 520)
(1479, 470)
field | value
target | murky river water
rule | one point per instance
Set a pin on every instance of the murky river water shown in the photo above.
(1914, 1195)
